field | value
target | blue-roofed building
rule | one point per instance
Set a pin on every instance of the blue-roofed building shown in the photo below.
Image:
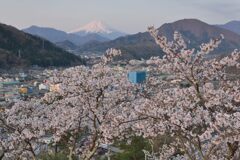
(10, 83)
(137, 77)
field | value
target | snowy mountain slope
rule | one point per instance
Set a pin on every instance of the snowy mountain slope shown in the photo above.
(98, 27)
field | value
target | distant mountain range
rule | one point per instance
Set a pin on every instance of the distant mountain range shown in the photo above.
(96, 37)
(21, 49)
(142, 45)
(94, 31)
(233, 26)
(56, 36)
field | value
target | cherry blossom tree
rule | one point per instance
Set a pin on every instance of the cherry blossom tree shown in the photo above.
(203, 118)
(22, 128)
(83, 106)
(78, 111)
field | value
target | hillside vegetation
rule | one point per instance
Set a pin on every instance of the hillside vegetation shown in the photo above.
(21, 49)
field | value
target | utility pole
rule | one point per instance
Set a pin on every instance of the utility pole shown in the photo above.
(19, 53)
(108, 153)
(43, 44)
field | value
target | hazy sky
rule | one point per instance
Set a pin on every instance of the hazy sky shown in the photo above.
(126, 15)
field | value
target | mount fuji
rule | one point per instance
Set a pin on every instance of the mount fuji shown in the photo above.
(98, 27)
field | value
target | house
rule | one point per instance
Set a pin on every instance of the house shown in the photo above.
(43, 87)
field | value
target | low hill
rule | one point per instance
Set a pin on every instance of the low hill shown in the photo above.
(136, 46)
(66, 45)
(21, 49)
(196, 32)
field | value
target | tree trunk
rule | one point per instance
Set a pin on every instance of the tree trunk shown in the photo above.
(1, 156)
(70, 153)
(91, 153)
(232, 148)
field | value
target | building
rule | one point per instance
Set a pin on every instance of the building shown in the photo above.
(137, 77)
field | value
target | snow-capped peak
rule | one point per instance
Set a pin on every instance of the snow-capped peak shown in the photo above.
(94, 27)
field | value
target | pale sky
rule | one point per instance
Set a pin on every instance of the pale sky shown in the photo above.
(129, 16)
